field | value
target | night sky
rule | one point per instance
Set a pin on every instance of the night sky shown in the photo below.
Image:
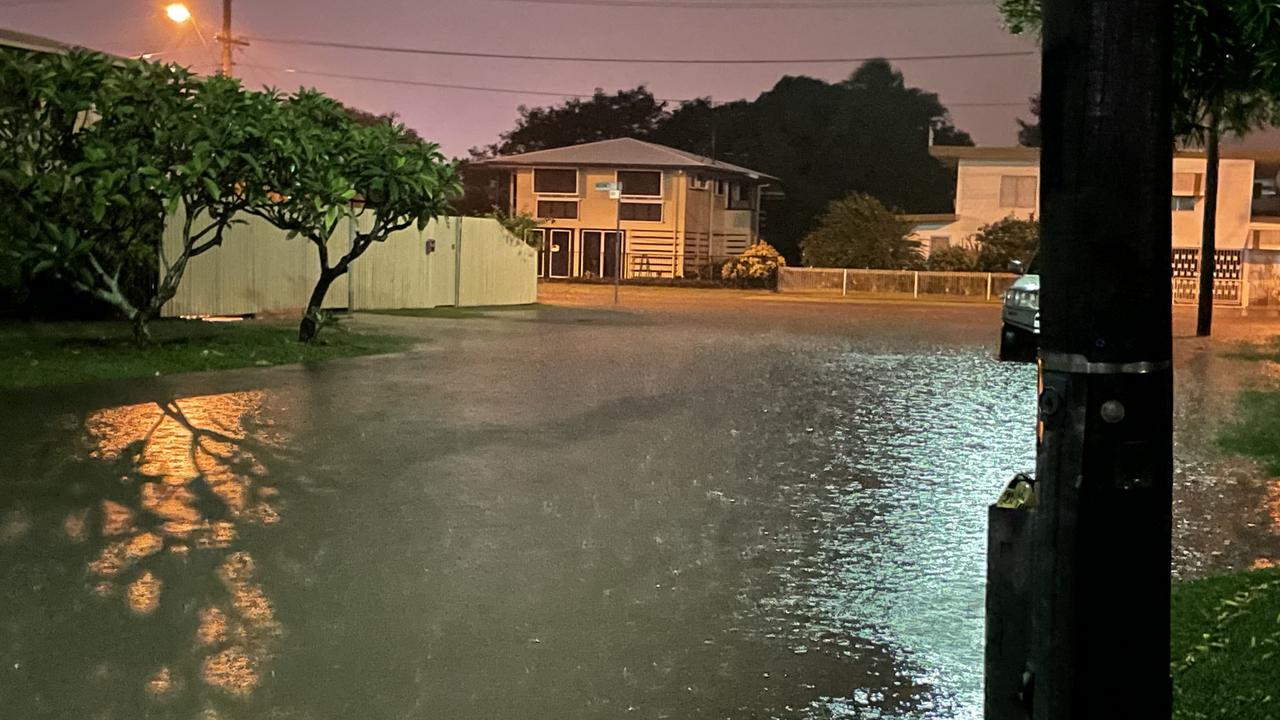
(459, 119)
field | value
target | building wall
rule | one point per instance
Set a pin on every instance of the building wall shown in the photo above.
(978, 201)
(1235, 201)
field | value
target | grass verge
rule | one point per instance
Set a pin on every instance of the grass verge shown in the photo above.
(45, 354)
(1226, 647)
(1255, 429)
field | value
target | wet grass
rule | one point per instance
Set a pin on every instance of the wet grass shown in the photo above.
(46, 354)
(1226, 647)
(455, 313)
(1255, 429)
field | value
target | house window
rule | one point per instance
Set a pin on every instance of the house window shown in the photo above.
(1017, 191)
(722, 187)
(558, 209)
(739, 196)
(699, 182)
(1183, 203)
(641, 183)
(938, 243)
(644, 212)
(555, 182)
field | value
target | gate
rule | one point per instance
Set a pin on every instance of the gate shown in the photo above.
(1228, 276)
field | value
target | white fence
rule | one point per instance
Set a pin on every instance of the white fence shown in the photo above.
(978, 286)
(453, 261)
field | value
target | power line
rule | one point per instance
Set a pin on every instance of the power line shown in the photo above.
(515, 91)
(761, 4)
(636, 61)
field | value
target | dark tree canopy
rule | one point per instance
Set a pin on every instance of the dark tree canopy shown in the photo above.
(869, 133)
(1006, 240)
(626, 113)
(860, 232)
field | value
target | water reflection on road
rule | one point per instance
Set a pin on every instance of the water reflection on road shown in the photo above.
(157, 515)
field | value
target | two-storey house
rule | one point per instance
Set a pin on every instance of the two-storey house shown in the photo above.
(669, 212)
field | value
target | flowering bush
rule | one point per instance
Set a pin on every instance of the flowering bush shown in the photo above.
(757, 266)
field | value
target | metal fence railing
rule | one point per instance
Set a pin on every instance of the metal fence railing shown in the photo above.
(978, 286)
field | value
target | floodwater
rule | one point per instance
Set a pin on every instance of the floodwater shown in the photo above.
(555, 514)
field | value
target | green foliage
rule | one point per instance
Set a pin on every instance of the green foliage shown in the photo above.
(860, 232)
(757, 266)
(325, 167)
(520, 224)
(1029, 131)
(101, 151)
(956, 258)
(1226, 61)
(1004, 241)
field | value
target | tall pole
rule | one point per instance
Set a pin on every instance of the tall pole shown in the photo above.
(1209, 231)
(1100, 530)
(225, 38)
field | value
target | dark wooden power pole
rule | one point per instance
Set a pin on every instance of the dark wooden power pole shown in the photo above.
(1104, 471)
(1096, 585)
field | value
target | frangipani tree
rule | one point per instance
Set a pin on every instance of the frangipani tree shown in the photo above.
(325, 168)
(146, 142)
(1226, 80)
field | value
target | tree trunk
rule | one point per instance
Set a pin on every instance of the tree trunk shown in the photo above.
(310, 325)
(141, 329)
(1209, 235)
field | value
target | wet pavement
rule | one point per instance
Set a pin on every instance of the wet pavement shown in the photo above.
(736, 507)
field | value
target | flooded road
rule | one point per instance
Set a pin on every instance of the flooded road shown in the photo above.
(554, 514)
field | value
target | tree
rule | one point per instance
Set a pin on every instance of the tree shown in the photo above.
(956, 258)
(325, 168)
(132, 143)
(867, 134)
(859, 231)
(1029, 131)
(1004, 241)
(631, 113)
(1226, 80)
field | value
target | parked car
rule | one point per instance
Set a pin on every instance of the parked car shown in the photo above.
(1020, 329)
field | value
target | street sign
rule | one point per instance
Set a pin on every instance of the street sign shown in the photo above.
(609, 186)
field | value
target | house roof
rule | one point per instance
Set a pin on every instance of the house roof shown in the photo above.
(622, 152)
(36, 43)
(1015, 153)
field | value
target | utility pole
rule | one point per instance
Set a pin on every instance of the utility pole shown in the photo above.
(1096, 572)
(228, 40)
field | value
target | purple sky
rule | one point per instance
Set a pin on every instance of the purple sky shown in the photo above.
(459, 119)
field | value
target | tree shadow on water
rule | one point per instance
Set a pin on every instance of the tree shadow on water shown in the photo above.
(128, 585)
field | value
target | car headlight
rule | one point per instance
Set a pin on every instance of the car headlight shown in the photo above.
(1024, 299)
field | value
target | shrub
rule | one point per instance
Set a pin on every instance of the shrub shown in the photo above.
(860, 232)
(757, 266)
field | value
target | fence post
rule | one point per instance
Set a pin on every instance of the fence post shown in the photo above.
(988, 286)
(844, 284)
(915, 287)
(457, 263)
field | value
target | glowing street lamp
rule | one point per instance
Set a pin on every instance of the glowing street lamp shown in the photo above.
(177, 12)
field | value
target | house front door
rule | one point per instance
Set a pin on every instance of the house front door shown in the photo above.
(559, 249)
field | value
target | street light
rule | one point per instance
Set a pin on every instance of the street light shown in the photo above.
(177, 12)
